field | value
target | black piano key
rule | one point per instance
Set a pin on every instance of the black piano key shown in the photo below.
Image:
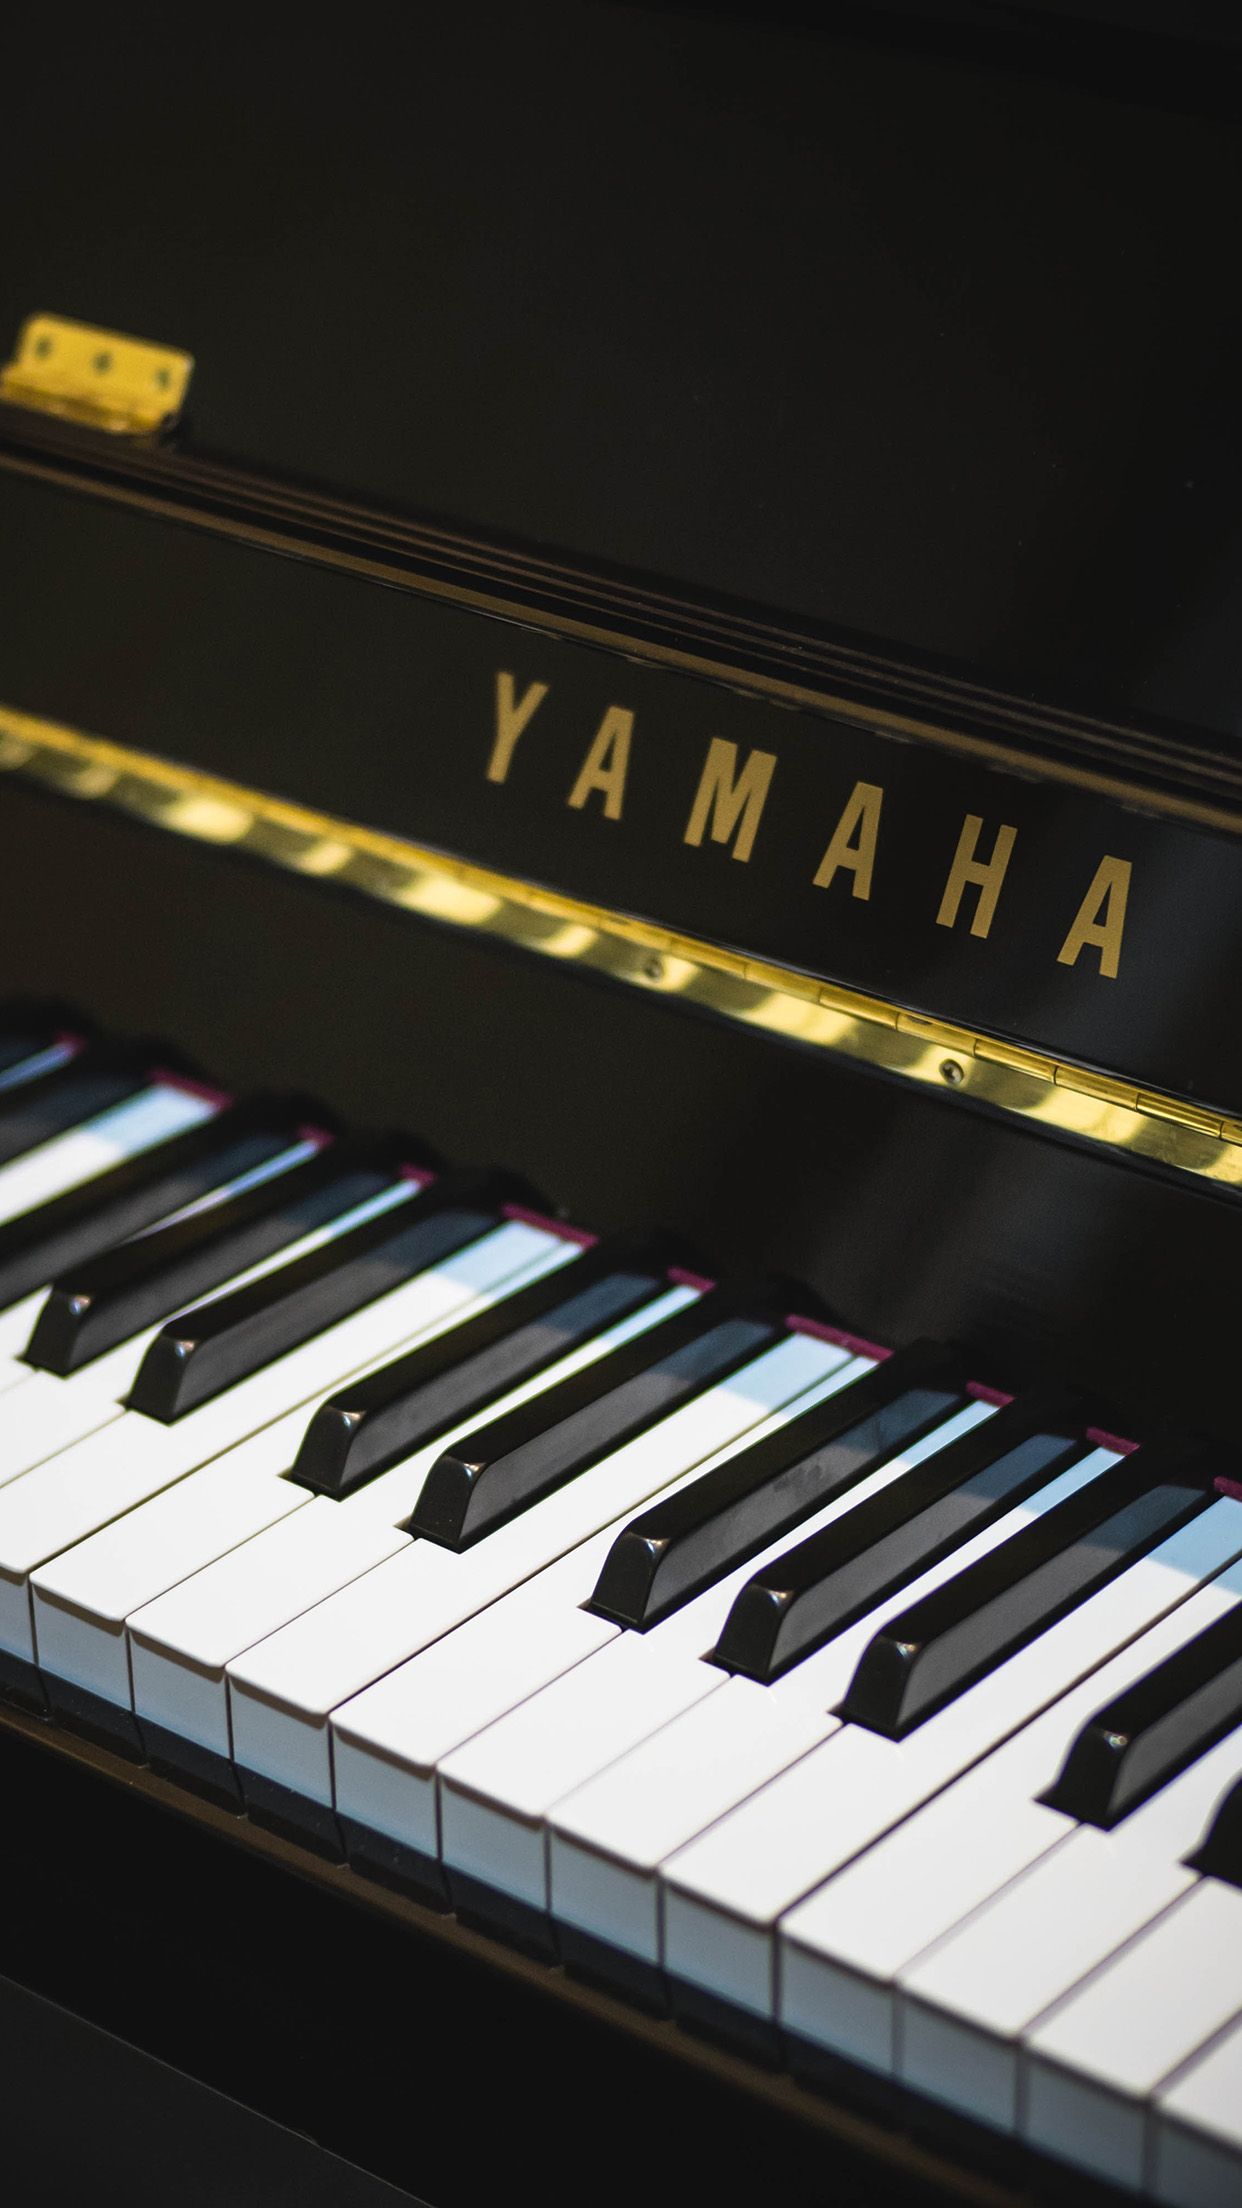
(77, 1225)
(26, 1032)
(374, 1421)
(101, 1302)
(1154, 1728)
(686, 1540)
(490, 1475)
(801, 1599)
(90, 1082)
(939, 1646)
(205, 1350)
(1219, 1854)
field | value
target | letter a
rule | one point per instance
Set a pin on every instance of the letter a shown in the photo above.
(1101, 918)
(606, 764)
(861, 818)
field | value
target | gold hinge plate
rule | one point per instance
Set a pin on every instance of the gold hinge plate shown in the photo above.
(96, 376)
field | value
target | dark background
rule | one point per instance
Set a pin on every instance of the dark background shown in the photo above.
(922, 322)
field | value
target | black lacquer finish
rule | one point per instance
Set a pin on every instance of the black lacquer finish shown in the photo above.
(1139, 1741)
(204, 1350)
(802, 1598)
(709, 1527)
(941, 1645)
(372, 1421)
(1102, 905)
(487, 1476)
(914, 1212)
(1054, 415)
(856, 321)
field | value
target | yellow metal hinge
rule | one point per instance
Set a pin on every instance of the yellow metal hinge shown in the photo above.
(95, 376)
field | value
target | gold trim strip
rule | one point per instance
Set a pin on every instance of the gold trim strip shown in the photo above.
(1096, 1107)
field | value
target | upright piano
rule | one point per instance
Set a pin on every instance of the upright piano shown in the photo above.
(621, 1107)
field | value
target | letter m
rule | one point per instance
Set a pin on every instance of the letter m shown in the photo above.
(728, 804)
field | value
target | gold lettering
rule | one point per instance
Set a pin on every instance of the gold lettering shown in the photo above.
(606, 764)
(726, 800)
(861, 818)
(985, 875)
(1101, 918)
(512, 715)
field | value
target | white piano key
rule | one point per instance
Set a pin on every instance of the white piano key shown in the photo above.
(610, 1837)
(80, 1601)
(133, 1457)
(388, 1741)
(1097, 1895)
(1093, 2064)
(1196, 2159)
(498, 1789)
(828, 1785)
(282, 1691)
(182, 1643)
(876, 1918)
(1023, 1951)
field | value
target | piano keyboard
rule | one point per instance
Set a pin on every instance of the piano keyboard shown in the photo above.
(818, 1693)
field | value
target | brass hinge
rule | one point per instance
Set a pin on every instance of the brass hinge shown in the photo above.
(96, 376)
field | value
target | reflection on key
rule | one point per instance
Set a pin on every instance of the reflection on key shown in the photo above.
(816, 1589)
(109, 1298)
(689, 1539)
(136, 1193)
(490, 1475)
(204, 1351)
(931, 1652)
(1136, 1743)
(369, 1426)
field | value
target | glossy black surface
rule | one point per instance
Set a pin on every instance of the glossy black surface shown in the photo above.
(1149, 1732)
(784, 346)
(86, 1220)
(802, 1598)
(689, 1538)
(913, 1212)
(417, 676)
(209, 1348)
(381, 1416)
(929, 349)
(484, 1477)
(938, 1647)
(905, 366)
(117, 1293)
